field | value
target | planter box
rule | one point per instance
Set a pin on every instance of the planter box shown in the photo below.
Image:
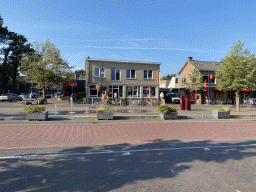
(105, 115)
(220, 115)
(171, 115)
(37, 116)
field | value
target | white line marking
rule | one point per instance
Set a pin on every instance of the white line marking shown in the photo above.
(126, 152)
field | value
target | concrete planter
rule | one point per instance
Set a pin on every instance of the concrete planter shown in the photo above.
(220, 115)
(37, 116)
(105, 115)
(171, 115)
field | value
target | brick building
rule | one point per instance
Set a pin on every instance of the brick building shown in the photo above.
(130, 80)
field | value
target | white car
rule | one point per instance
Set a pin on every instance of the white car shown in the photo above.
(24, 95)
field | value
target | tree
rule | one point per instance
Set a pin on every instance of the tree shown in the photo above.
(13, 47)
(237, 70)
(195, 79)
(168, 77)
(45, 66)
(80, 71)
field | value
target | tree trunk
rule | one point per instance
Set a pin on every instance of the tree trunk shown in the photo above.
(237, 102)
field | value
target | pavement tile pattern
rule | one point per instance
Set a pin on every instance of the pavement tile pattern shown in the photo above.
(67, 135)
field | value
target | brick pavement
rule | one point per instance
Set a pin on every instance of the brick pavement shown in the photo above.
(68, 135)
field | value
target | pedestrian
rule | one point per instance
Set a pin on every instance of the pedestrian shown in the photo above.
(251, 101)
(162, 97)
(115, 95)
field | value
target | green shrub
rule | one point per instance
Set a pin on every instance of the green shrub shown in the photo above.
(222, 109)
(63, 97)
(34, 108)
(40, 98)
(104, 108)
(80, 95)
(166, 109)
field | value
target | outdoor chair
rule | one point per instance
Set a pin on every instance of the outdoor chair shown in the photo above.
(133, 103)
(150, 103)
(139, 103)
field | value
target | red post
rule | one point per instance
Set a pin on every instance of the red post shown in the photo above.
(182, 103)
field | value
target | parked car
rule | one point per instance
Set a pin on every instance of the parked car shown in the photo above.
(10, 97)
(24, 95)
(171, 98)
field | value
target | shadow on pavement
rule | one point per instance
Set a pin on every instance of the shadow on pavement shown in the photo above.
(112, 171)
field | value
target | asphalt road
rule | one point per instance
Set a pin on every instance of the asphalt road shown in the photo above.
(172, 166)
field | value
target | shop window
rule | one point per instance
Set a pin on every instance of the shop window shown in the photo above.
(149, 91)
(128, 91)
(94, 92)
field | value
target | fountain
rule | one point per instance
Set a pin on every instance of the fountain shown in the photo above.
(130, 103)
(71, 101)
(86, 110)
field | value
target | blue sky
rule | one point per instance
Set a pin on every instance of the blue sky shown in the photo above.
(135, 30)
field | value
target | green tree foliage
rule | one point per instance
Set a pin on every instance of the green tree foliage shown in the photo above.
(80, 71)
(13, 48)
(237, 70)
(195, 79)
(45, 66)
(168, 77)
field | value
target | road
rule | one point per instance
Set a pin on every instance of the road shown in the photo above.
(142, 156)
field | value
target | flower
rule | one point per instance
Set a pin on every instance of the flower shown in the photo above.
(101, 87)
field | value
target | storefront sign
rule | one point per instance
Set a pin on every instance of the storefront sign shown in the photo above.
(73, 84)
(211, 76)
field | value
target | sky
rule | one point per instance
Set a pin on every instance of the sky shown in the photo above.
(135, 30)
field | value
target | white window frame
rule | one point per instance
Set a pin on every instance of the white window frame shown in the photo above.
(94, 96)
(131, 73)
(149, 89)
(132, 87)
(147, 73)
(183, 80)
(100, 70)
(115, 75)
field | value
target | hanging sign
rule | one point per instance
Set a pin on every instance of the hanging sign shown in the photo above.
(73, 84)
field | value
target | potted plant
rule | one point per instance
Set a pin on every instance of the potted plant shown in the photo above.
(101, 87)
(104, 112)
(167, 112)
(221, 113)
(34, 112)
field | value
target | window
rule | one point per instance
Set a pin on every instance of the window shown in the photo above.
(148, 74)
(130, 73)
(183, 80)
(211, 81)
(115, 74)
(133, 91)
(94, 92)
(176, 80)
(149, 91)
(99, 72)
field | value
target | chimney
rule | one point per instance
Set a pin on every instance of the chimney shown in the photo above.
(190, 58)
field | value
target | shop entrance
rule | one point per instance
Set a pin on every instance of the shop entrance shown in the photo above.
(115, 89)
